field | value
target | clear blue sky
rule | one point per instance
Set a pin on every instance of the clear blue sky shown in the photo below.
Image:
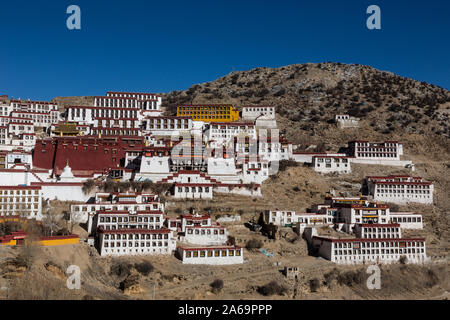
(170, 45)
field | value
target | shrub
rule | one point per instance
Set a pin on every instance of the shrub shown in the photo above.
(88, 186)
(403, 260)
(432, 279)
(217, 286)
(272, 288)
(253, 244)
(121, 269)
(8, 227)
(350, 278)
(144, 267)
(314, 284)
(284, 164)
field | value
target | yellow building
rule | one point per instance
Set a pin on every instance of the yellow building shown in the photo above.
(209, 112)
(66, 129)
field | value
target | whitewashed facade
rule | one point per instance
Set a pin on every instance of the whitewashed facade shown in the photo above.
(358, 250)
(258, 112)
(136, 242)
(408, 220)
(216, 255)
(400, 189)
(330, 164)
(23, 201)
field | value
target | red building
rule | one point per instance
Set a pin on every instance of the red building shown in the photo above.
(86, 155)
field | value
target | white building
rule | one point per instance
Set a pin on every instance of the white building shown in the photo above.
(299, 219)
(216, 255)
(42, 113)
(205, 235)
(115, 220)
(199, 230)
(351, 214)
(252, 170)
(361, 250)
(193, 190)
(408, 220)
(195, 220)
(40, 119)
(330, 164)
(167, 126)
(378, 231)
(265, 147)
(87, 114)
(258, 112)
(17, 157)
(23, 201)
(384, 153)
(155, 160)
(219, 133)
(135, 242)
(345, 121)
(149, 103)
(400, 189)
(104, 201)
(16, 132)
(307, 157)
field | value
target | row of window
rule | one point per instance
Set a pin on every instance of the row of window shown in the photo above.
(382, 236)
(127, 226)
(18, 206)
(205, 232)
(369, 230)
(103, 113)
(116, 208)
(406, 219)
(377, 155)
(378, 251)
(136, 236)
(380, 244)
(18, 199)
(131, 250)
(402, 186)
(378, 149)
(382, 192)
(105, 102)
(212, 253)
(130, 219)
(165, 126)
(136, 244)
(193, 189)
(18, 192)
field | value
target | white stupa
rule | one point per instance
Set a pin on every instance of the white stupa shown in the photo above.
(67, 173)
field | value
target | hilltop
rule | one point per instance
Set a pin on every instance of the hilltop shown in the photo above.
(307, 96)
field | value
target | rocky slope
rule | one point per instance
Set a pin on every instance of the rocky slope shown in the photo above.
(308, 95)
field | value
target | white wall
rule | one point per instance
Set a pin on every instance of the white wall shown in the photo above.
(64, 192)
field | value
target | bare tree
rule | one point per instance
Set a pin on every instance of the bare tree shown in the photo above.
(51, 219)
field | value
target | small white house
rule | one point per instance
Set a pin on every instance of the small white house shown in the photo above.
(331, 164)
(345, 121)
(216, 255)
